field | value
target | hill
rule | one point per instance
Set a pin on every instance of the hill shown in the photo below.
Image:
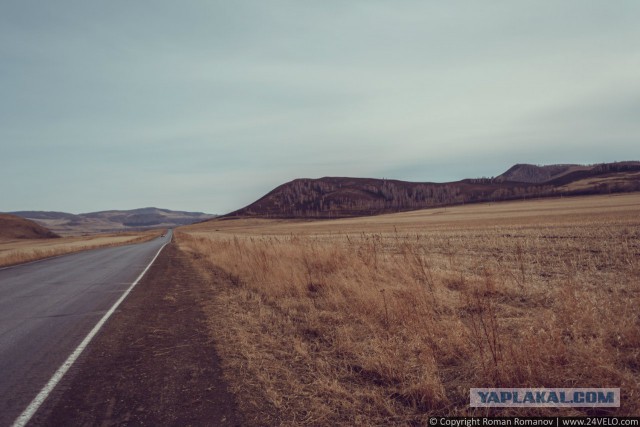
(13, 227)
(335, 197)
(537, 174)
(113, 220)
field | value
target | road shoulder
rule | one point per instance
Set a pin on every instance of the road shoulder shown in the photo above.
(153, 363)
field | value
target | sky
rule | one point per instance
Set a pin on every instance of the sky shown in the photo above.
(208, 105)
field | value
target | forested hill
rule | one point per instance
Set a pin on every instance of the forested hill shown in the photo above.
(334, 197)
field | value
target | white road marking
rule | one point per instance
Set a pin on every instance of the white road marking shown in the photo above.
(35, 404)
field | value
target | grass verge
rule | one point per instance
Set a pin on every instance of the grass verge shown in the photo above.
(20, 251)
(389, 328)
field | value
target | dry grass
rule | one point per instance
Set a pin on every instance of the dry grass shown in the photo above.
(388, 320)
(617, 179)
(19, 251)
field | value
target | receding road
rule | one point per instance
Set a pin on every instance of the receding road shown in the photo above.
(48, 307)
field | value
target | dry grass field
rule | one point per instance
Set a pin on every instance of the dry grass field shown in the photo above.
(387, 320)
(26, 250)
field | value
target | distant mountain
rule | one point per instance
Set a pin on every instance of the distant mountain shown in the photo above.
(335, 197)
(13, 227)
(115, 220)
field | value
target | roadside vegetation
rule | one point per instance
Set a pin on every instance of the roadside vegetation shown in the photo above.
(14, 252)
(319, 324)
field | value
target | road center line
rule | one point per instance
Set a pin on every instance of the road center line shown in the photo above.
(35, 404)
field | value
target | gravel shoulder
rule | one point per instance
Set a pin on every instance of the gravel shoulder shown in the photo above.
(153, 363)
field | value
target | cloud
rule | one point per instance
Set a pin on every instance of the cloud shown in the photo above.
(264, 92)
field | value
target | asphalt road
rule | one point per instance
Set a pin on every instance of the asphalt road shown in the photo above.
(48, 307)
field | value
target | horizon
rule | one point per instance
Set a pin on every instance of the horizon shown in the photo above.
(207, 106)
(324, 177)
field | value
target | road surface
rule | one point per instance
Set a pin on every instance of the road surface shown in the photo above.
(48, 307)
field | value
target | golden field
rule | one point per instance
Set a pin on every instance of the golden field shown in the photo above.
(391, 319)
(26, 250)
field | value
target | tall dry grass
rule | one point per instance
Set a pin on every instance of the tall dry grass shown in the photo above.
(390, 328)
(22, 251)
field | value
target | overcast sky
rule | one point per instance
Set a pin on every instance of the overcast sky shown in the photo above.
(207, 105)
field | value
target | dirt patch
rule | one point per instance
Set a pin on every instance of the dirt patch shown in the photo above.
(154, 362)
(231, 325)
